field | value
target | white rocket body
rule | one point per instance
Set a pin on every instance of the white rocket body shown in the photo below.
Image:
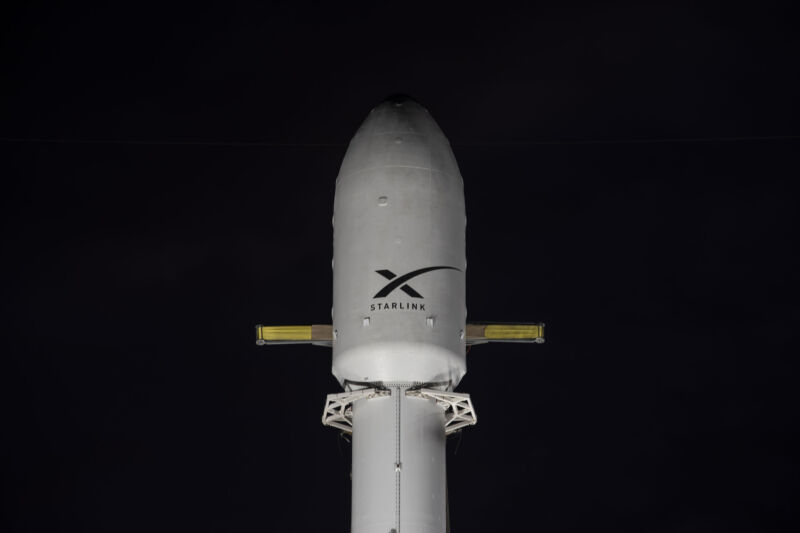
(399, 311)
(399, 327)
(398, 210)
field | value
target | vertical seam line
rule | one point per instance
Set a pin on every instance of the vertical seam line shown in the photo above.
(398, 464)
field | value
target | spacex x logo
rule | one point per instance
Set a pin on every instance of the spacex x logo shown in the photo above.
(401, 281)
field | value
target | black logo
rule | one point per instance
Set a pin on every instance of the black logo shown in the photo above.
(401, 281)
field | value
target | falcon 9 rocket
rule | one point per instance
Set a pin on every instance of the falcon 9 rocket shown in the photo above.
(399, 332)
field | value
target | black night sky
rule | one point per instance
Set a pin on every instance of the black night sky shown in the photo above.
(168, 184)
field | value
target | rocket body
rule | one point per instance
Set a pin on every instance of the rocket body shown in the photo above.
(399, 308)
(399, 311)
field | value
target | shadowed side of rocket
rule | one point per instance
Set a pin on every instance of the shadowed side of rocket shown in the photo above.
(399, 317)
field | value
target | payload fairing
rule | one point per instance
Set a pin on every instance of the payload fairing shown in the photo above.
(399, 332)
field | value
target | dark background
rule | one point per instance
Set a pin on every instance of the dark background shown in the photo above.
(144, 236)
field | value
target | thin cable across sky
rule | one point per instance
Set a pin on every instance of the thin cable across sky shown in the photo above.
(283, 144)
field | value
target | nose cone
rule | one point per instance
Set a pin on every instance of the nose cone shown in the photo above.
(399, 132)
(399, 210)
(399, 114)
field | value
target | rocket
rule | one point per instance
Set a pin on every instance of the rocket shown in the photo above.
(400, 334)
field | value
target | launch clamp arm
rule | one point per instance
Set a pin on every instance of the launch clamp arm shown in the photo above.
(320, 334)
(517, 332)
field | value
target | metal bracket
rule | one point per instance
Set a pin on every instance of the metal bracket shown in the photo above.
(338, 410)
(458, 410)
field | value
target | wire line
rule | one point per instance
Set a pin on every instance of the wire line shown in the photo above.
(279, 144)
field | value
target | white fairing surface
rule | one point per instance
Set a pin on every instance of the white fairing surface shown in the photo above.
(399, 260)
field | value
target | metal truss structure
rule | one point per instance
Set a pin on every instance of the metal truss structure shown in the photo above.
(338, 410)
(458, 410)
